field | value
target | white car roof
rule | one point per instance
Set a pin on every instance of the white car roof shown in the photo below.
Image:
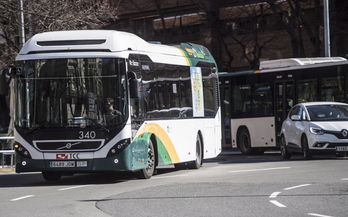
(322, 103)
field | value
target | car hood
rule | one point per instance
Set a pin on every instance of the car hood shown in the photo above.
(332, 125)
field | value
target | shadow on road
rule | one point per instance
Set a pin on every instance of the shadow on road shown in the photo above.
(227, 156)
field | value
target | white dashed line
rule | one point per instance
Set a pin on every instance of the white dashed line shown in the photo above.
(21, 198)
(263, 169)
(163, 177)
(277, 203)
(274, 194)
(298, 186)
(345, 179)
(318, 215)
(80, 186)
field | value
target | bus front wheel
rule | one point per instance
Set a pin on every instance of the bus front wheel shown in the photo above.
(244, 142)
(147, 173)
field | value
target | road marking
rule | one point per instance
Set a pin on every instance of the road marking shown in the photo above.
(346, 179)
(318, 215)
(274, 194)
(24, 197)
(69, 188)
(163, 177)
(264, 169)
(277, 203)
(298, 186)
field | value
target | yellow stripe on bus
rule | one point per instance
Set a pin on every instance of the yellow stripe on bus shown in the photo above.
(188, 61)
(163, 136)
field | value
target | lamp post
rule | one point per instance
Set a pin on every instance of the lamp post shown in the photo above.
(327, 28)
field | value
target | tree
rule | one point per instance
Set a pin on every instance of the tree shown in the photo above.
(42, 16)
(293, 18)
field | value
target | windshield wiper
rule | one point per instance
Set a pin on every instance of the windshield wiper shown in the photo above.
(40, 126)
(95, 123)
(104, 129)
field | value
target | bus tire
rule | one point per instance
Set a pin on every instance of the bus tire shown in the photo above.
(244, 142)
(283, 150)
(51, 176)
(196, 164)
(305, 149)
(147, 173)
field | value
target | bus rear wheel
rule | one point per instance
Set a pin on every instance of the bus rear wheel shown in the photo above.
(51, 176)
(244, 142)
(196, 164)
(147, 173)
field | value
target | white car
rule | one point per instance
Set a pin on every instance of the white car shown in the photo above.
(315, 127)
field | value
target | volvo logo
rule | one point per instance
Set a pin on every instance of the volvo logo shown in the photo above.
(344, 133)
(68, 145)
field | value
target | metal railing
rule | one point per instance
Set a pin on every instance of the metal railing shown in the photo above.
(8, 152)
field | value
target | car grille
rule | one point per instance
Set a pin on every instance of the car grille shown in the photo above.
(339, 135)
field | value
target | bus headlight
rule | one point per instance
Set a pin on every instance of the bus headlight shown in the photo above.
(21, 150)
(119, 147)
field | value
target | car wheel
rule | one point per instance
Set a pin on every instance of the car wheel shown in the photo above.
(283, 150)
(244, 142)
(305, 150)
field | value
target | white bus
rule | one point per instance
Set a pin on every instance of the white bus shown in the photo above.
(256, 102)
(99, 100)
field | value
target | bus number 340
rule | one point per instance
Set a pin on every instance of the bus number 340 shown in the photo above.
(87, 135)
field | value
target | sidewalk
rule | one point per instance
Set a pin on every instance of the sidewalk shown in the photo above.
(7, 169)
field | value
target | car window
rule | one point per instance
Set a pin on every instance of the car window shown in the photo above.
(294, 111)
(303, 114)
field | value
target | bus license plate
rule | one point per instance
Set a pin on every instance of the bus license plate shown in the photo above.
(342, 148)
(62, 164)
(81, 163)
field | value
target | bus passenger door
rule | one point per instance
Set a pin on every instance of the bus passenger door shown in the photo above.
(284, 101)
(226, 114)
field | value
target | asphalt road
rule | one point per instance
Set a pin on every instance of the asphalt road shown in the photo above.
(230, 185)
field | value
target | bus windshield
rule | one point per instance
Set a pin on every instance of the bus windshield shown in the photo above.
(71, 93)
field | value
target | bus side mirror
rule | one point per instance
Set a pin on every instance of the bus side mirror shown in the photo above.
(12, 71)
(134, 88)
(6, 71)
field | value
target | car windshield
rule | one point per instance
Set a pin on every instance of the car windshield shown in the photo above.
(328, 112)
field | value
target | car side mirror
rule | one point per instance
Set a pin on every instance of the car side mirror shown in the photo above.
(295, 117)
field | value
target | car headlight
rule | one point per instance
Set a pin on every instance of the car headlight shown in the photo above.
(316, 130)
